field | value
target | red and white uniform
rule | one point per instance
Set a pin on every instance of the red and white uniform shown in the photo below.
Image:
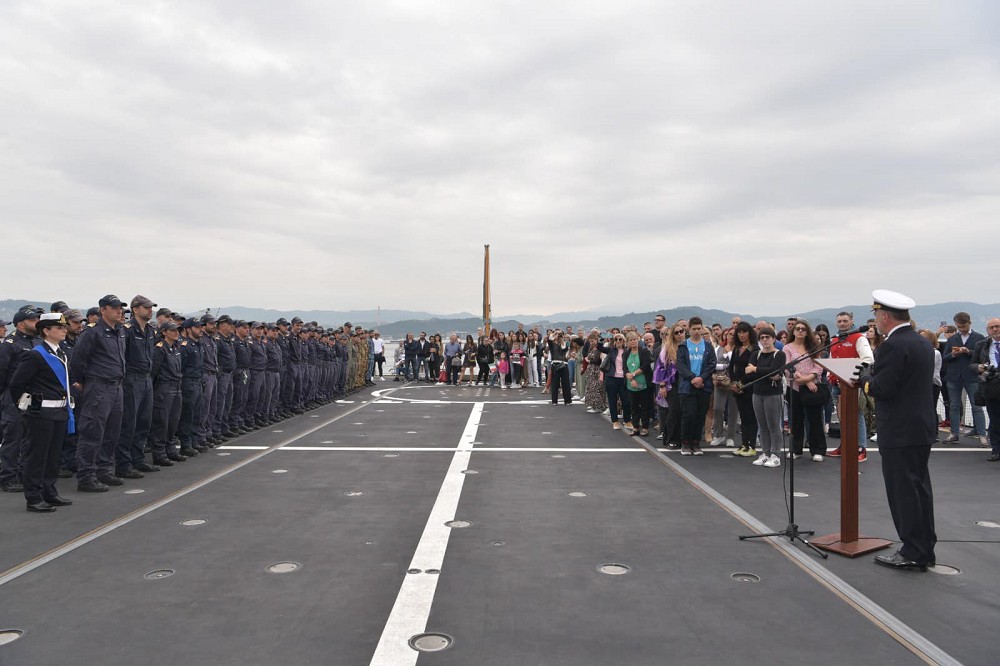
(856, 346)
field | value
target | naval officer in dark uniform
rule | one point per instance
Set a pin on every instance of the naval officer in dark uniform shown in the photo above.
(98, 368)
(901, 382)
(41, 387)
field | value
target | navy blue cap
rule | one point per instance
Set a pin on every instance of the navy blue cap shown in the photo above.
(25, 315)
(190, 323)
(93, 311)
(111, 300)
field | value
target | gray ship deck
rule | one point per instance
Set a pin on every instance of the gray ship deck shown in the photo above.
(357, 493)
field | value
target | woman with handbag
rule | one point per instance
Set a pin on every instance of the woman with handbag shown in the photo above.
(665, 379)
(724, 403)
(745, 345)
(809, 393)
(594, 396)
(639, 364)
(613, 367)
(469, 353)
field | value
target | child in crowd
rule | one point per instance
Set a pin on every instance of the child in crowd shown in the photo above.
(503, 367)
(517, 364)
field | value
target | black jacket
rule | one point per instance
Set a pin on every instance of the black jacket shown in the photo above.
(902, 385)
(34, 376)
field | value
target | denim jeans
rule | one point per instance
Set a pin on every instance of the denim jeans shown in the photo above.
(955, 414)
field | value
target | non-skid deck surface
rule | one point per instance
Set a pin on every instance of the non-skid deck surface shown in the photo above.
(356, 493)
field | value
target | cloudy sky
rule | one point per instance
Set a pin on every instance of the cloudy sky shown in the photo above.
(759, 157)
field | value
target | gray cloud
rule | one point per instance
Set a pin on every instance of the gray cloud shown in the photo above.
(759, 157)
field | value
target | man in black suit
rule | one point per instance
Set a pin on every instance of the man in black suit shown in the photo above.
(901, 381)
(986, 362)
(956, 359)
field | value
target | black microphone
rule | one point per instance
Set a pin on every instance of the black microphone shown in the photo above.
(860, 329)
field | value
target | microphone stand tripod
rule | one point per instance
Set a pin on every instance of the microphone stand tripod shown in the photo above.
(792, 530)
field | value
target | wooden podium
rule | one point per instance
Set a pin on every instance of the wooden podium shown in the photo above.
(847, 542)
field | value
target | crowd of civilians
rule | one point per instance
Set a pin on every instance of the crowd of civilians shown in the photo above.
(700, 384)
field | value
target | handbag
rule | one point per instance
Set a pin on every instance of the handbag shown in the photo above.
(606, 364)
(443, 376)
(456, 361)
(820, 397)
(722, 380)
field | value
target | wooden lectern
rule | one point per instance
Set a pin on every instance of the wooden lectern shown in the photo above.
(847, 542)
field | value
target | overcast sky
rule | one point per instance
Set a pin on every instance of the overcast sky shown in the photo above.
(760, 157)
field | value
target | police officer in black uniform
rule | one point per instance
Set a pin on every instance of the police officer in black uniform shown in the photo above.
(137, 392)
(901, 383)
(97, 369)
(206, 433)
(226, 356)
(241, 378)
(41, 386)
(258, 374)
(74, 326)
(13, 347)
(192, 371)
(166, 375)
(274, 360)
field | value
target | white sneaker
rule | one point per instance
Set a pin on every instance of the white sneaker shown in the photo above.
(717, 441)
(762, 460)
(730, 443)
(591, 410)
(773, 461)
(873, 438)
(817, 458)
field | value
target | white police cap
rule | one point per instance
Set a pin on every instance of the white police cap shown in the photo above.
(891, 300)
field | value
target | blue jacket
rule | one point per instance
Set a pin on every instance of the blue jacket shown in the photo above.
(957, 367)
(684, 373)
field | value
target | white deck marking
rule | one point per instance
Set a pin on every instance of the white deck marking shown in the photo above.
(413, 604)
(30, 565)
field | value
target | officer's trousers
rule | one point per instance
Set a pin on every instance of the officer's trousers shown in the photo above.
(98, 430)
(241, 381)
(166, 415)
(137, 418)
(208, 403)
(12, 449)
(191, 396)
(223, 402)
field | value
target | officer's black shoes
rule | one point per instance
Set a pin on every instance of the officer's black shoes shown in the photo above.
(162, 462)
(129, 473)
(993, 457)
(41, 507)
(110, 480)
(200, 448)
(59, 501)
(897, 561)
(188, 451)
(12, 487)
(65, 473)
(146, 468)
(91, 487)
(176, 457)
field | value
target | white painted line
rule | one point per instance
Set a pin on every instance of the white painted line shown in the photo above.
(68, 547)
(413, 604)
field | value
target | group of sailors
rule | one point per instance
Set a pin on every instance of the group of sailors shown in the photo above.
(91, 395)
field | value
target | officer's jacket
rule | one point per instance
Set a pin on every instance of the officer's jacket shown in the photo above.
(192, 359)
(99, 354)
(166, 362)
(139, 348)
(11, 350)
(242, 352)
(258, 355)
(274, 360)
(225, 354)
(208, 345)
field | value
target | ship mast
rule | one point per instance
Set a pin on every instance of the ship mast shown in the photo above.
(487, 309)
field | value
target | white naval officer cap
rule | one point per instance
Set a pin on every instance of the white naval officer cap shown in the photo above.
(891, 300)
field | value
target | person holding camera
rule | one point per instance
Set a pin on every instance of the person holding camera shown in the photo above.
(986, 361)
(40, 389)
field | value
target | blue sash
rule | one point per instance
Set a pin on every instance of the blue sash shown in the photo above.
(62, 374)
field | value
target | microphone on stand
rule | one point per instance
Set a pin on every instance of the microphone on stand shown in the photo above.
(860, 329)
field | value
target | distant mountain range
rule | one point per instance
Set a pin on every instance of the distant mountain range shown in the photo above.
(396, 323)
